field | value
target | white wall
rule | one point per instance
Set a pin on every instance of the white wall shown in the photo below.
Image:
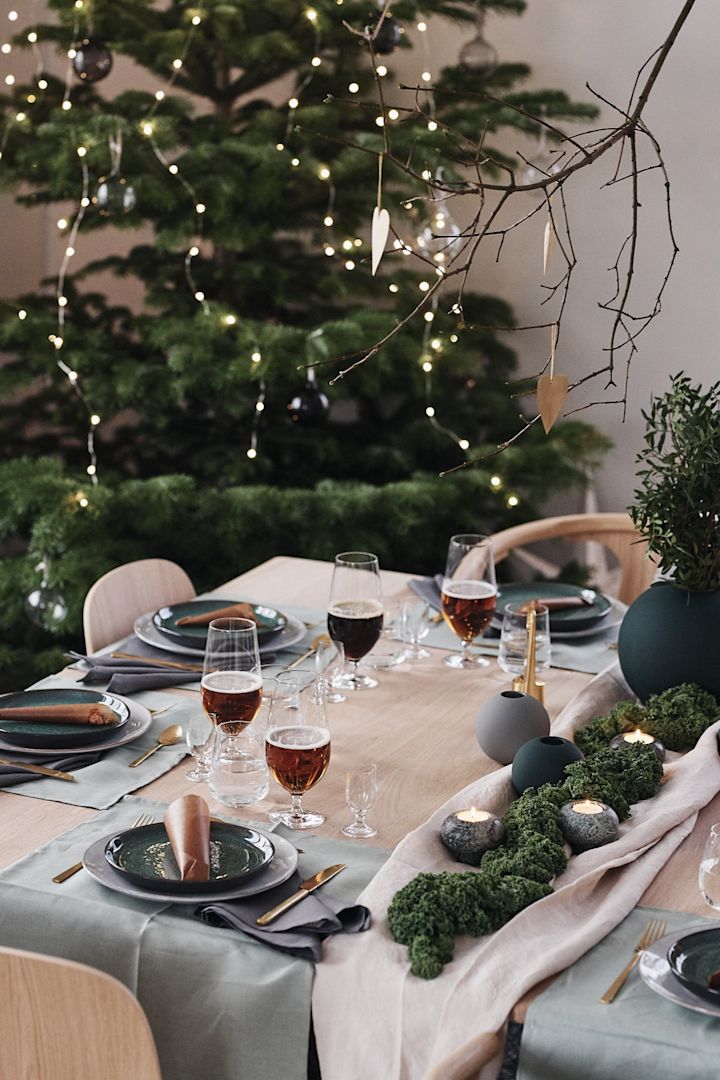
(567, 42)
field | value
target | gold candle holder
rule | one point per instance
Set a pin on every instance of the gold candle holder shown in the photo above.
(527, 683)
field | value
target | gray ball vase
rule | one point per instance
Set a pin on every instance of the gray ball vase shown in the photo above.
(543, 761)
(468, 840)
(588, 830)
(507, 721)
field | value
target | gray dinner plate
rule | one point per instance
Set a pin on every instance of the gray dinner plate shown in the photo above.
(275, 873)
(655, 971)
(291, 633)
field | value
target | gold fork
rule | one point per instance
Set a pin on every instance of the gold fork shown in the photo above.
(143, 819)
(654, 930)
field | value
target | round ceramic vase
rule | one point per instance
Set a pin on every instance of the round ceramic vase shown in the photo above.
(507, 721)
(542, 761)
(670, 636)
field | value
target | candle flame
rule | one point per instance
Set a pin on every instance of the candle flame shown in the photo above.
(638, 736)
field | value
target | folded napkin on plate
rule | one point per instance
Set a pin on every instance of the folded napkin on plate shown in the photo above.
(187, 823)
(234, 611)
(70, 763)
(97, 715)
(131, 676)
(299, 931)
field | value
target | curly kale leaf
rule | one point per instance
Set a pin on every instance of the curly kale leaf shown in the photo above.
(597, 734)
(679, 716)
(618, 777)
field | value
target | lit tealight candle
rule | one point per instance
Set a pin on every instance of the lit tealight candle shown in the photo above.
(468, 834)
(588, 823)
(637, 737)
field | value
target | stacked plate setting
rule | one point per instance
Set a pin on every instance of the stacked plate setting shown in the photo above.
(44, 739)
(160, 629)
(601, 614)
(679, 967)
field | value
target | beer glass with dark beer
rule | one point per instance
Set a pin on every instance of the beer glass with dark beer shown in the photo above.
(355, 613)
(232, 681)
(469, 594)
(297, 743)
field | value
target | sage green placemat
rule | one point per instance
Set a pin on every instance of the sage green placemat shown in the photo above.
(221, 1005)
(104, 783)
(569, 1034)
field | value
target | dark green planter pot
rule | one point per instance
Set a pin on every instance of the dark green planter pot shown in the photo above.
(543, 761)
(671, 636)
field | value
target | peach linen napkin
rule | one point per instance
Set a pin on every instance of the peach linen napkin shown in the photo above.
(373, 1018)
(234, 611)
(96, 714)
(187, 823)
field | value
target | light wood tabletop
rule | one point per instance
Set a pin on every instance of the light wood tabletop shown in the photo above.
(418, 725)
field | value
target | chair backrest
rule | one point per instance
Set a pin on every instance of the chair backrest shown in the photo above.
(66, 1021)
(614, 531)
(118, 597)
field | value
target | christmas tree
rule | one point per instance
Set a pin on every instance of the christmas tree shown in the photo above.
(201, 426)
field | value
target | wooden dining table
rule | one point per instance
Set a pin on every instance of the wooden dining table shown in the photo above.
(417, 725)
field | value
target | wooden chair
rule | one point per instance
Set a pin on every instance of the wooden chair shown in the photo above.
(613, 531)
(118, 597)
(66, 1021)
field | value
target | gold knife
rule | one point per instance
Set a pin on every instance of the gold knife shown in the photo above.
(54, 773)
(305, 889)
(158, 663)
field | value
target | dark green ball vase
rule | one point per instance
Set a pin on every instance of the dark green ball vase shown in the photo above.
(671, 636)
(542, 761)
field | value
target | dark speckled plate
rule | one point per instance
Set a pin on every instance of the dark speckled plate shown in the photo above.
(46, 735)
(269, 621)
(144, 856)
(694, 958)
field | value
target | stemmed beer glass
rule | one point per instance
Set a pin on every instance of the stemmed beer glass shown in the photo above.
(469, 594)
(355, 613)
(232, 680)
(297, 743)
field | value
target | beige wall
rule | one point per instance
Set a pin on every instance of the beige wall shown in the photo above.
(567, 42)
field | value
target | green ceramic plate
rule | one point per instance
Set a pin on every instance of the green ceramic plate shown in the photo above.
(165, 620)
(144, 856)
(48, 735)
(694, 958)
(580, 618)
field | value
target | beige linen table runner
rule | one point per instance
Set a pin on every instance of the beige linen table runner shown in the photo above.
(374, 1019)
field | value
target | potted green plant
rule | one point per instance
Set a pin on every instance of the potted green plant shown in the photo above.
(671, 634)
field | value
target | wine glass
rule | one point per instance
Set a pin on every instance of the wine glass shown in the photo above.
(297, 743)
(469, 594)
(415, 627)
(231, 685)
(355, 613)
(199, 737)
(709, 873)
(361, 788)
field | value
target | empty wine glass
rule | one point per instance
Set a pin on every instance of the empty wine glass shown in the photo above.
(329, 664)
(355, 613)
(361, 788)
(469, 594)
(199, 737)
(709, 874)
(415, 627)
(297, 743)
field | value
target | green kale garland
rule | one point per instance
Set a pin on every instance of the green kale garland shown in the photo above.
(431, 910)
(677, 717)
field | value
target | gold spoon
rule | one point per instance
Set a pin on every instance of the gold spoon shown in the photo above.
(168, 737)
(321, 639)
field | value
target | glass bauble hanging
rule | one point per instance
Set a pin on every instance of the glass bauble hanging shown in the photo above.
(114, 196)
(439, 238)
(92, 60)
(309, 405)
(478, 55)
(45, 606)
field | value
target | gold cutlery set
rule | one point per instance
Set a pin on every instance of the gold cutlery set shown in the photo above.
(654, 930)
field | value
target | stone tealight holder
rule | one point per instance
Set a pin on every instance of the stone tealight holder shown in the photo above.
(588, 823)
(542, 761)
(643, 738)
(468, 834)
(507, 721)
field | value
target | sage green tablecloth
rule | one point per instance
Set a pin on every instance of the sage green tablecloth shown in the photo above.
(569, 1034)
(104, 783)
(221, 1006)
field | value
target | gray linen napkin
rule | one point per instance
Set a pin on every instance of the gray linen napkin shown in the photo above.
(131, 676)
(69, 763)
(428, 589)
(299, 931)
